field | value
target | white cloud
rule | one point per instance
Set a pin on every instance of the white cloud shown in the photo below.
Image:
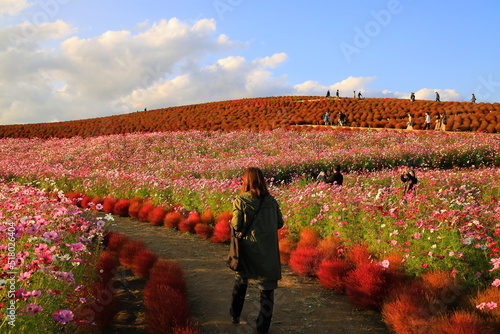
(345, 87)
(445, 94)
(156, 65)
(227, 78)
(12, 7)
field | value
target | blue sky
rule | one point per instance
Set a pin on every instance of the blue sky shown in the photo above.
(74, 59)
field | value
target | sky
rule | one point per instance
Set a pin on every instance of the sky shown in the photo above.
(76, 59)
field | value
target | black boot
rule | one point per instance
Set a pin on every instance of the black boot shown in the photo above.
(266, 311)
(237, 300)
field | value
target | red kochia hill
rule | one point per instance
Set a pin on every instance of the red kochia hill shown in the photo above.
(269, 113)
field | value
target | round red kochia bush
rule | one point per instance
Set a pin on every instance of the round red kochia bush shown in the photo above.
(121, 208)
(222, 231)
(97, 203)
(332, 273)
(165, 308)
(109, 204)
(86, 200)
(144, 211)
(129, 251)
(204, 230)
(207, 217)
(462, 322)
(166, 272)
(188, 224)
(116, 241)
(135, 206)
(368, 285)
(359, 255)
(106, 265)
(329, 247)
(157, 216)
(286, 246)
(308, 237)
(406, 309)
(304, 260)
(142, 263)
(74, 197)
(172, 219)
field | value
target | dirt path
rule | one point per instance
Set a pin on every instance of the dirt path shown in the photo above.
(301, 306)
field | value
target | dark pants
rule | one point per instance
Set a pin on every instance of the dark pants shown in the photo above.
(263, 321)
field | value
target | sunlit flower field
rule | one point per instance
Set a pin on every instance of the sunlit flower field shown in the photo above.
(48, 257)
(450, 223)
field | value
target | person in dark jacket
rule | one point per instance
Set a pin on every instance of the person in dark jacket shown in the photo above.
(409, 179)
(258, 215)
(335, 177)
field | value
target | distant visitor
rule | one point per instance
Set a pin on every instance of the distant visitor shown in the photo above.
(427, 124)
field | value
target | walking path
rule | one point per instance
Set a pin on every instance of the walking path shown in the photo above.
(301, 304)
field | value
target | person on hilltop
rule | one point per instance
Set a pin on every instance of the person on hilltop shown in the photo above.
(328, 93)
(427, 124)
(337, 94)
(409, 180)
(359, 95)
(256, 220)
(336, 177)
(412, 97)
(438, 99)
(473, 99)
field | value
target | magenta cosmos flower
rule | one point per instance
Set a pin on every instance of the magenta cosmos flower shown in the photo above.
(63, 316)
(77, 247)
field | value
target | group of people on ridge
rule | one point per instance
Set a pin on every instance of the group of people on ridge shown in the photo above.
(441, 122)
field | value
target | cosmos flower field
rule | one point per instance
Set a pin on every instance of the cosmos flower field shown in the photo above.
(451, 223)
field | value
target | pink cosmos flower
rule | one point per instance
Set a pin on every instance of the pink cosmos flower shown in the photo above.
(39, 248)
(496, 282)
(496, 263)
(52, 235)
(31, 309)
(491, 305)
(77, 247)
(384, 264)
(63, 316)
(24, 276)
(45, 257)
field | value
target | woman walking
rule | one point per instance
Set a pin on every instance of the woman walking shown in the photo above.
(256, 220)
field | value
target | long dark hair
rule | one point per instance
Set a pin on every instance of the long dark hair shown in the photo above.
(254, 182)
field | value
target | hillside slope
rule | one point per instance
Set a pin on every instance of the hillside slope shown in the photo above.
(270, 113)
